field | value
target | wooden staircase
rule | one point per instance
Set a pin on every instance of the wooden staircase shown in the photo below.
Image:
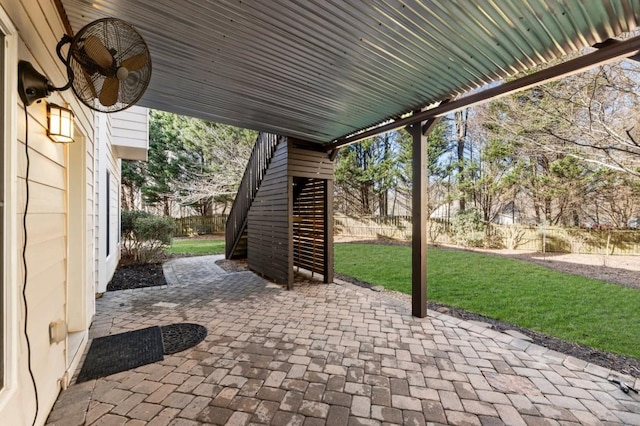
(282, 216)
(236, 226)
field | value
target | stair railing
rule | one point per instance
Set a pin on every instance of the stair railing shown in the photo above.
(257, 166)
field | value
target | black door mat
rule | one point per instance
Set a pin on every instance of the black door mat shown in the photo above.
(125, 351)
(120, 352)
(181, 336)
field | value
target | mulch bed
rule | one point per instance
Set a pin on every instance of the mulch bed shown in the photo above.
(129, 275)
(137, 276)
(235, 265)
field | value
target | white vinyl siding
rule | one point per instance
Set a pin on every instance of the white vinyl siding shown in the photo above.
(130, 133)
(2, 219)
(107, 165)
(108, 213)
(38, 29)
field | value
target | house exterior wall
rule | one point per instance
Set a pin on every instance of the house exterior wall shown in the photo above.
(130, 133)
(90, 225)
(107, 212)
(65, 255)
(122, 135)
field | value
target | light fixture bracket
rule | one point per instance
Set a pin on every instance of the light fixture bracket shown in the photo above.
(31, 84)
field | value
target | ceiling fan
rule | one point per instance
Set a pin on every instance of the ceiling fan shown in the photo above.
(108, 66)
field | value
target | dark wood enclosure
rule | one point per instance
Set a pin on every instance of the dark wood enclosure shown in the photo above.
(311, 249)
(290, 219)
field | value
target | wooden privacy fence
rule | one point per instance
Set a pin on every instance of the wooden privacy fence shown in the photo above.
(199, 225)
(550, 239)
(396, 227)
(517, 237)
(553, 239)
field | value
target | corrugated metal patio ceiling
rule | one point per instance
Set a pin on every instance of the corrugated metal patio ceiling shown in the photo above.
(319, 70)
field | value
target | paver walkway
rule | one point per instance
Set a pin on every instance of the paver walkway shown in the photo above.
(329, 354)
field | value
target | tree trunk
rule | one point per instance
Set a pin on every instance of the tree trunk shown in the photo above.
(384, 203)
(460, 118)
(536, 209)
(364, 198)
(165, 206)
(207, 207)
(132, 195)
(124, 205)
(547, 210)
(576, 218)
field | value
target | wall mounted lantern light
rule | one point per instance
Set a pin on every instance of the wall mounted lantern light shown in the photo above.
(60, 124)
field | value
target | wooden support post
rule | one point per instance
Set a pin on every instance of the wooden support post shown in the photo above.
(328, 231)
(420, 214)
(290, 276)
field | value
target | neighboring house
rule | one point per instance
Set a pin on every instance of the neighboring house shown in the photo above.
(72, 224)
(509, 214)
(445, 211)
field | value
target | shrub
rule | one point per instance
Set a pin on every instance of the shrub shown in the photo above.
(435, 229)
(145, 236)
(513, 236)
(468, 228)
(127, 220)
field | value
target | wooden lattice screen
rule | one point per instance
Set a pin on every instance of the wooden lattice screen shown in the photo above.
(308, 224)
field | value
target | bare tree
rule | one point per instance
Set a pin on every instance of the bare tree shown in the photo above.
(192, 163)
(565, 132)
(219, 156)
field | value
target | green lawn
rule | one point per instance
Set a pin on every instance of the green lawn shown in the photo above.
(196, 246)
(571, 307)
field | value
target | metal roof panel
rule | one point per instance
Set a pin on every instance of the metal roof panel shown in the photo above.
(321, 69)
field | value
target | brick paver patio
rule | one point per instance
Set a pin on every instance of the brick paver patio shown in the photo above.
(329, 354)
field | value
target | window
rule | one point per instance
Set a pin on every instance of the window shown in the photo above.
(108, 215)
